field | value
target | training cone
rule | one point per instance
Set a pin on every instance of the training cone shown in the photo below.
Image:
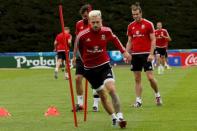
(4, 112)
(52, 111)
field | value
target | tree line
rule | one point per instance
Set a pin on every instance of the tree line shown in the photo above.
(32, 25)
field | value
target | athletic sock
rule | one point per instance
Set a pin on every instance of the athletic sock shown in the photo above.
(66, 74)
(96, 100)
(113, 116)
(80, 100)
(157, 94)
(162, 68)
(119, 115)
(159, 69)
(138, 99)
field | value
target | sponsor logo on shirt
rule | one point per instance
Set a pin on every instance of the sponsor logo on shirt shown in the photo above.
(88, 40)
(96, 49)
(138, 34)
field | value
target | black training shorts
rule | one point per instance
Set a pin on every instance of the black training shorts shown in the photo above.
(97, 76)
(139, 62)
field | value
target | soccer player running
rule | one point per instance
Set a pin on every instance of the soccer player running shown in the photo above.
(91, 44)
(80, 26)
(59, 47)
(141, 44)
(162, 39)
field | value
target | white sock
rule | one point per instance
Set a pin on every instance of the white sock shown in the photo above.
(66, 74)
(157, 94)
(119, 115)
(113, 116)
(96, 102)
(80, 100)
(159, 68)
(56, 69)
(162, 68)
(138, 99)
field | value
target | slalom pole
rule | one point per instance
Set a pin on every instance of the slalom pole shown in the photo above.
(86, 101)
(68, 65)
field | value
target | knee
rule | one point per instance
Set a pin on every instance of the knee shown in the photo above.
(78, 78)
(137, 79)
(150, 79)
(110, 86)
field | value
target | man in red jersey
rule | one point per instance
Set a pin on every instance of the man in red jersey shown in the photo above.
(59, 47)
(141, 44)
(162, 39)
(91, 44)
(80, 26)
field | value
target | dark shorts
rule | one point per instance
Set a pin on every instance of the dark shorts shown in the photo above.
(61, 55)
(98, 75)
(161, 51)
(79, 67)
(166, 55)
(139, 61)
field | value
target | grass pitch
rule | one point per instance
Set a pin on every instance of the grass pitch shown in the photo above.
(27, 94)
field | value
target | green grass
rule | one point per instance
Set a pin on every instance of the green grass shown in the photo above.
(28, 93)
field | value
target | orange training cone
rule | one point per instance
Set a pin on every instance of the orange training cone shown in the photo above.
(52, 111)
(4, 112)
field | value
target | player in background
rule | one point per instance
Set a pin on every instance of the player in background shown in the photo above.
(80, 26)
(162, 39)
(59, 47)
(141, 44)
(91, 45)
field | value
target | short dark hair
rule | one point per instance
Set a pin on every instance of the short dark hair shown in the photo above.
(136, 6)
(159, 22)
(66, 28)
(85, 8)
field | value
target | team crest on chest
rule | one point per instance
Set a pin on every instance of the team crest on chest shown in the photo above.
(88, 40)
(137, 32)
(143, 26)
(133, 28)
(103, 37)
(81, 27)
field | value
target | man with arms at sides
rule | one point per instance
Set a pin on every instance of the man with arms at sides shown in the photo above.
(91, 44)
(141, 44)
(60, 47)
(162, 39)
(80, 26)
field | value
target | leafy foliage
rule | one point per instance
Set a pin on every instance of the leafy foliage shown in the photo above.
(31, 25)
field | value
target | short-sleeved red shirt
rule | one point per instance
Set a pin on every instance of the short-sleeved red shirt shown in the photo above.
(160, 41)
(140, 34)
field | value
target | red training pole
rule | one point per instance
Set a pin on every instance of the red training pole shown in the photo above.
(68, 66)
(86, 101)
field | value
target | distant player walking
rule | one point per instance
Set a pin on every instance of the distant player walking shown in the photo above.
(162, 39)
(59, 47)
(141, 44)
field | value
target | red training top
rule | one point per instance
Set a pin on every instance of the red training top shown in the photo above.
(140, 34)
(92, 46)
(160, 41)
(61, 45)
(80, 25)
